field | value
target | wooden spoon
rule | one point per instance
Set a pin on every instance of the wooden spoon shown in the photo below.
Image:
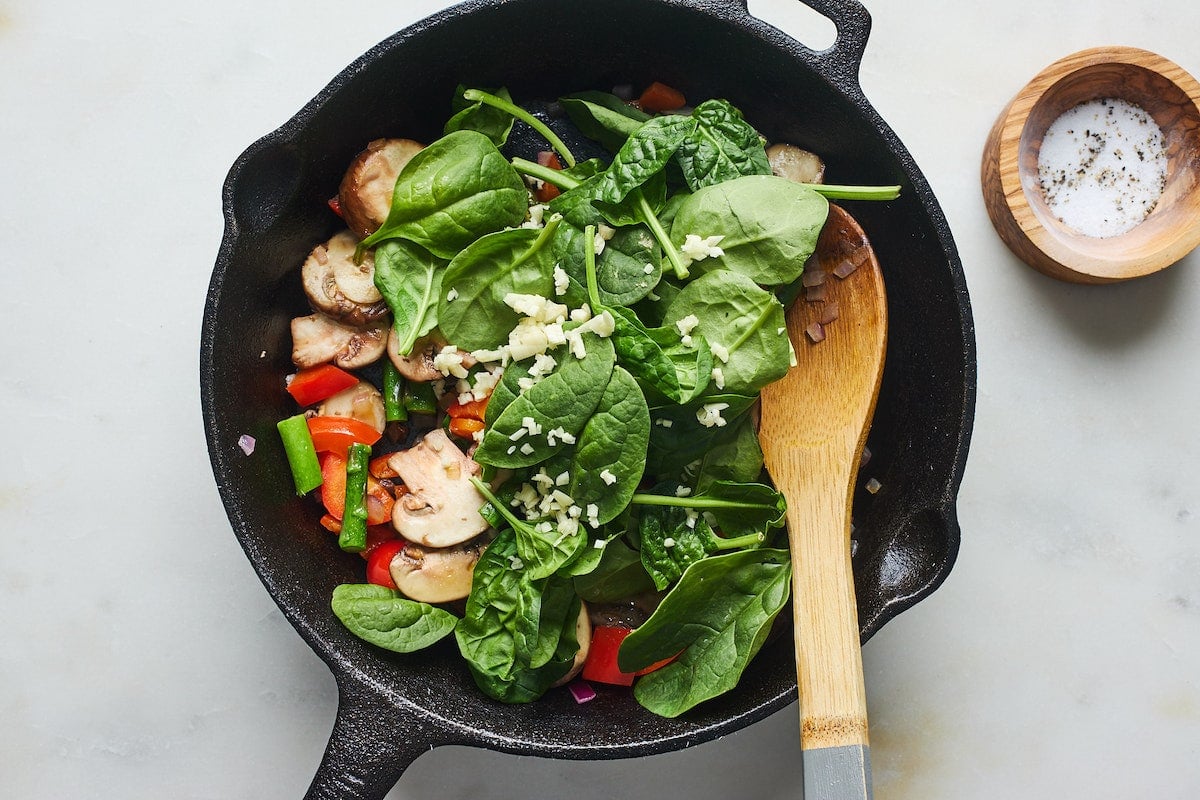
(814, 424)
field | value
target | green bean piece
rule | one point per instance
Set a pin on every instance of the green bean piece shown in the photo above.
(353, 538)
(419, 398)
(301, 455)
(393, 389)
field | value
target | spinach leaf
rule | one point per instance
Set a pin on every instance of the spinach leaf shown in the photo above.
(643, 156)
(556, 643)
(716, 618)
(769, 226)
(410, 279)
(518, 260)
(677, 438)
(620, 267)
(671, 542)
(505, 391)
(541, 547)
(622, 202)
(517, 635)
(611, 452)
(562, 402)
(734, 455)
(745, 320)
(604, 117)
(658, 358)
(618, 576)
(451, 193)
(722, 147)
(383, 617)
(478, 116)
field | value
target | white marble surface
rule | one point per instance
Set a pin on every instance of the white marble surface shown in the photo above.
(140, 657)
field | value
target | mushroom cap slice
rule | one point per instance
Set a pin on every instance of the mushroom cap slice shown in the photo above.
(337, 286)
(441, 507)
(583, 633)
(320, 339)
(362, 402)
(436, 575)
(418, 365)
(365, 194)
(795, 163)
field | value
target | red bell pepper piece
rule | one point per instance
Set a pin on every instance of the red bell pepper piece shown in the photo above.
(474, 409)
(601, 663)
(380, 560)
(659, 97)
(465, 427)
(312, 385)
(335, 434)
(547, 191)
(381, 468)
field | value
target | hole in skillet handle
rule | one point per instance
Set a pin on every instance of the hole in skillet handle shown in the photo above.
(835, 30)
(798, 20)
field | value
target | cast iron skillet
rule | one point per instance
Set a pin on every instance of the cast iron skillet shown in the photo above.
(392, 708)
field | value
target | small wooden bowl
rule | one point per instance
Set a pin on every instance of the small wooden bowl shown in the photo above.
(1013, 193)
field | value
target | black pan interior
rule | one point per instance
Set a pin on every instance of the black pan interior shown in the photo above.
(275, 210)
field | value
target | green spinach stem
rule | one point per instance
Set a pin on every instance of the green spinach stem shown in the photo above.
(656, 228)
(838, 192)
(647, 499)
(554, 177)
(477, 96)
(738, 542)
(589, 267)
(497, 504)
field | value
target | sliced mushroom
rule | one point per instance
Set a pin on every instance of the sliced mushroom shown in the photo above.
(319, 339)
(418, 365)
(365, 195)
(337, 286)
(362, 402)
(441, 507)
(796, 164)
(436, 575)
(583, 632)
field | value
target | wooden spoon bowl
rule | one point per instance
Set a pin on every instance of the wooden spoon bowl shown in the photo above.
(1012, 189)
(814, 425)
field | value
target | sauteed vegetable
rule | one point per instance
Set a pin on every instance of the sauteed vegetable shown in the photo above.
(528, 392)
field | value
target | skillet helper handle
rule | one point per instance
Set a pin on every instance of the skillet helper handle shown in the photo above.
(853, 23)
(372, 744)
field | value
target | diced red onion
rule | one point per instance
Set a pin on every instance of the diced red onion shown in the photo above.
(829, 313)
(246, 442)
(844, 268)
(815, 332)
(872, 486)
(813, 277)
(582, 691)
(815, 294)
(865, 457)
(859, 255)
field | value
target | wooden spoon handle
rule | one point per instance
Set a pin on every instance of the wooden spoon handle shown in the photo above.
(833, 708)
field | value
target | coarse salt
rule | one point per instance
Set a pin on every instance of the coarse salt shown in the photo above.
(1102, 167)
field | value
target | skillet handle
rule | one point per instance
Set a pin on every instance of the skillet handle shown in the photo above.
(372, 743)
(853, 23)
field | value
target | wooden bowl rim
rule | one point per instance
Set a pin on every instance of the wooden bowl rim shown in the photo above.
(1149, 247)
